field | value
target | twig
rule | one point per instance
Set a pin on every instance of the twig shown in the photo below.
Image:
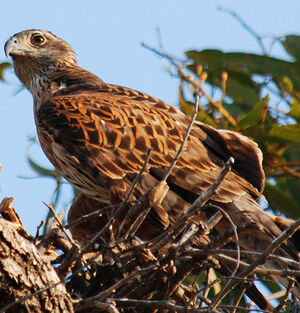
(238, 253)
(60, 225)
(96, 304)
(138, 215)
(206, 288)
(22, 300)
(135, 216)
(285, 164)
(216, 104)
(241, 308)
(243, 253)
(197, 85)
(287, 233)
(188, 234)
(136, 180)
(159, 304)
(238, 297)
(161, 54)
(120, 208)
(192, 233)
(223, 86)
(37, 234)
(262, 271)
(272, 296)
(85, 217)
(291, 172)
(115, 286)
(198, 203)
(284, 300)
(283, 272)
(179, 152)
(157, 194)
(244, 25)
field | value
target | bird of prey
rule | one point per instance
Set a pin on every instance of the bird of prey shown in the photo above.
(98, 135)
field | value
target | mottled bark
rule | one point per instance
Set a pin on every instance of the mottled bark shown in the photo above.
(24, 273)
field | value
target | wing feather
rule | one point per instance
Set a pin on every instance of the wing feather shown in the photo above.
(111, 129)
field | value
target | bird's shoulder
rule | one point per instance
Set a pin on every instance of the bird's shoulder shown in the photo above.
(111, 108)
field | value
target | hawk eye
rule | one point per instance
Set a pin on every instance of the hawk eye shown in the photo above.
(37, 40)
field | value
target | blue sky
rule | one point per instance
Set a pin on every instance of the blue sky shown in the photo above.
(106, 36)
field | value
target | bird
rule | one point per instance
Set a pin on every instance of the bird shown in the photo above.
(98, 136)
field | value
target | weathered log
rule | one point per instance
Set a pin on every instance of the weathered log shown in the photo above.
(28, 282)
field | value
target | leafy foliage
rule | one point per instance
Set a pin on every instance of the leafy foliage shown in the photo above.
(262, 98)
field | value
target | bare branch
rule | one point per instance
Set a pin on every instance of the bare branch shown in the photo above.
(59, 224)
(259, 260)
(179, 152)
(163, 304)
(245, 26)
(199, 86)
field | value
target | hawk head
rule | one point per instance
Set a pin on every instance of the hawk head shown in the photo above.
(35, 51)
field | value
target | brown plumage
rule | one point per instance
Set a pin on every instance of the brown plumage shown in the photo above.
(97, 135)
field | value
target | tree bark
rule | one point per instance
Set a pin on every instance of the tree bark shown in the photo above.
(25, 276)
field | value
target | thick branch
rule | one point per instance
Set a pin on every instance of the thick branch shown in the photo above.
(25, 276)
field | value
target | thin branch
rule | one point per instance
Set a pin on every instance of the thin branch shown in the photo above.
(37, 234)
(285, 164)
(120, 208)
(284, 300)
(60, 225)
(244, 254)
(115, 286)
(96, 304)
(136, 180)
(22, 300)
(160, 304)
(238, 298)
(86, 217)
(245, 26)
(197, 85)
(197, 205)
(234, 227)
(287, 233)
(244, 309)
(206, 288)
(179, 152)
(291, 172)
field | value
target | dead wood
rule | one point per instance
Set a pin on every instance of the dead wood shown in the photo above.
(28, 282)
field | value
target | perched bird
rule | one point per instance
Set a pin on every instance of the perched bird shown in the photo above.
(97, 135)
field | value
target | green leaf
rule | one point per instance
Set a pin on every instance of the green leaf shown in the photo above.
(295, 109)
(276, 133)
(289, 133)
(287, 84)
(291, 43)
(45, 172)
(269, 283)
(3, 66)
(280, 199)
(246, 63)
(188, 108)
(255, 115)
(241, 89)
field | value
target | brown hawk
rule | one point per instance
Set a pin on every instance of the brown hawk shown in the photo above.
(97, 135)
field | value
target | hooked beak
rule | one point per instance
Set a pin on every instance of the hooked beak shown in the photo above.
(13, 48)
